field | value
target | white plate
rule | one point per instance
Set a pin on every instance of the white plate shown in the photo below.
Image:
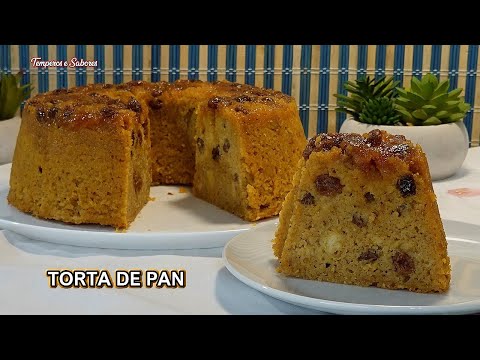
(249, 257)
(178, 221)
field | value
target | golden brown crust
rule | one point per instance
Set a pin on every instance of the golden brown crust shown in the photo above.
(245, 99)
(87, 107)
(145, 88)
(90, 106)
(371, 152)
(372, 146)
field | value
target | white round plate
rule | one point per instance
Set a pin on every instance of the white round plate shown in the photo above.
(176, 221)
(249, 257)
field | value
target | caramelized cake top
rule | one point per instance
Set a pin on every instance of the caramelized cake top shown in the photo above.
(154, 89)
(96, 104)
(87, 107)
(375, 150)
(245, 99)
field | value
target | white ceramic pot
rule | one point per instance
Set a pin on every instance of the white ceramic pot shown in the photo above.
(445, 145)
(8, 138)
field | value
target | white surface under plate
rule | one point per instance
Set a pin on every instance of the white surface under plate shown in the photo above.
(177, 221)
(249, 257)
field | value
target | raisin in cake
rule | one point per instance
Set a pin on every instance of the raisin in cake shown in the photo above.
(82, 156)
(362, 211)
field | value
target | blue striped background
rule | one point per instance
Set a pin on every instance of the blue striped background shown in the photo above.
(305, 75)
(24, 55)
(362, 60)
(398, 62)
(310, 73)
(250, 52)
(342, 77)
(470, 84)
(81, 71)
(117, 64)
(5, 59)
(137, 62)
(453, 66)
(155, 59)
(43, 83)
(212, 63)
(323, 91)
(174, 63)
(287, 69)
(380, 58)
(417, 61)
(99, 71)
(269, 66)
(435, 60)
(62, 71)
(193, 62)
(231, 63)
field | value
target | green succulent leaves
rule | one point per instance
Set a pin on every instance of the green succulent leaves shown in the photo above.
(379, 112)
(428, 102)
(11, 94)
(363, 90)
(382, 102)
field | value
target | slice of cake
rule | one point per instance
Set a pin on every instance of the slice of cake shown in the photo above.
(82, 156)
(363, 212)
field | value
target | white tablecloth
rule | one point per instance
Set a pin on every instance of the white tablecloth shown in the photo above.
(210, 288)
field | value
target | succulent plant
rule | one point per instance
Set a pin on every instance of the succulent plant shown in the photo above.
(428, 102)
(361, 91)
(379, 111)
(12, 94)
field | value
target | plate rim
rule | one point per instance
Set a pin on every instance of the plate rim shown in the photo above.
(113, 233)
(329, 306)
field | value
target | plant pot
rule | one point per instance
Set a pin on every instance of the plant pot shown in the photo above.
(8, 138)
(444, 145)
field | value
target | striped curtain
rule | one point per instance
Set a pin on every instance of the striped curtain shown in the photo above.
(310, 73)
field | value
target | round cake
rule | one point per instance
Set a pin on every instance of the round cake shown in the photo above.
(89, 154)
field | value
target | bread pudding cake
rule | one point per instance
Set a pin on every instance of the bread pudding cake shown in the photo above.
(89, 154)
(362, 211)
